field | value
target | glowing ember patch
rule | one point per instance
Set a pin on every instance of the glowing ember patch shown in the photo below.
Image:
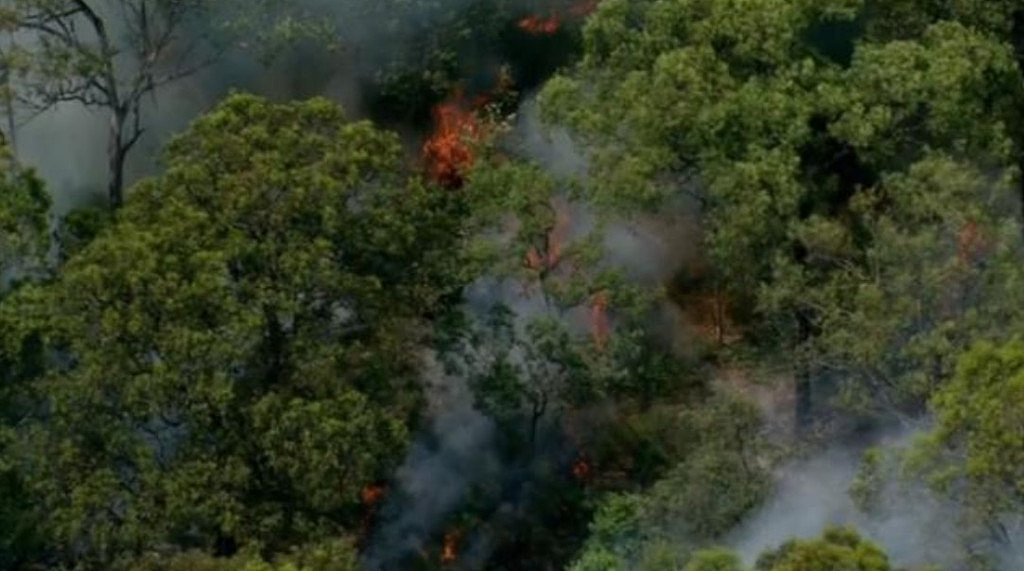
(449, 551)
(540, 26)
(448, 152)
(372, 494)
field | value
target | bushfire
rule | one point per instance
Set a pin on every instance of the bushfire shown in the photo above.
(448, 152)
(537, 25)
(546, 26)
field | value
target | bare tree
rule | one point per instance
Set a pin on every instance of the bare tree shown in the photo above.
(109, 54)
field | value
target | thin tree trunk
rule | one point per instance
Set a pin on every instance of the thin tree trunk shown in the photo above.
(116, 156)
(12, 136)
(539, 407)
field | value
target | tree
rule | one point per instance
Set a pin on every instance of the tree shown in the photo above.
(937, 275)
(24, 211)
(714, 560)
(781, 137)
(22, 359)
(838, 548)
(447, 44)
(570, 330)
(238, 351)
(24, 224)
(332, 555)
(113, 54)
(714, 481)
(976, 448)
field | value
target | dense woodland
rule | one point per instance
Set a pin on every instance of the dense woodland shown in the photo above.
(407, 333)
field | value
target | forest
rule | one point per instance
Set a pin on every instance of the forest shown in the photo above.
(512, 285)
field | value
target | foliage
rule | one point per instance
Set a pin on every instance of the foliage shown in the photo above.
(714, 560)
(22, 359)
(838, 548)
(334, 555)
(24, 238)
(24, 218)
(211, 376)
(715, 482)
(811, 167)
(976, 448)
(558, 328)
(238, 350)
(468, 44)
(79, 227)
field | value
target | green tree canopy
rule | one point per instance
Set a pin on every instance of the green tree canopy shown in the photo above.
(799, 153)
(976, 450)
(716, 479)
(24, 223)
(838, 549)
(238, 351)
(332, 555)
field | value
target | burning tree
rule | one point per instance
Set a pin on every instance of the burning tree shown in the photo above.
(448, 153)
(461, 126)
(555, 346)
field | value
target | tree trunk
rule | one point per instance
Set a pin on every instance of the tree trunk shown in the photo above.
(539, 407)
(12, 140)
(116, 152)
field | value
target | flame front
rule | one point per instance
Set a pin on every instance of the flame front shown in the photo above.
(539, 26)
(546, 26)
(448, 153)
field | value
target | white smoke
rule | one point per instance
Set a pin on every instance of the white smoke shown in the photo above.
(913, 525)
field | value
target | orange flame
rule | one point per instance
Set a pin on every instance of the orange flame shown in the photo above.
(541, 26)
(538, 26)
(449, 551)
(372, 494)
(599, 326)
(447, 153)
